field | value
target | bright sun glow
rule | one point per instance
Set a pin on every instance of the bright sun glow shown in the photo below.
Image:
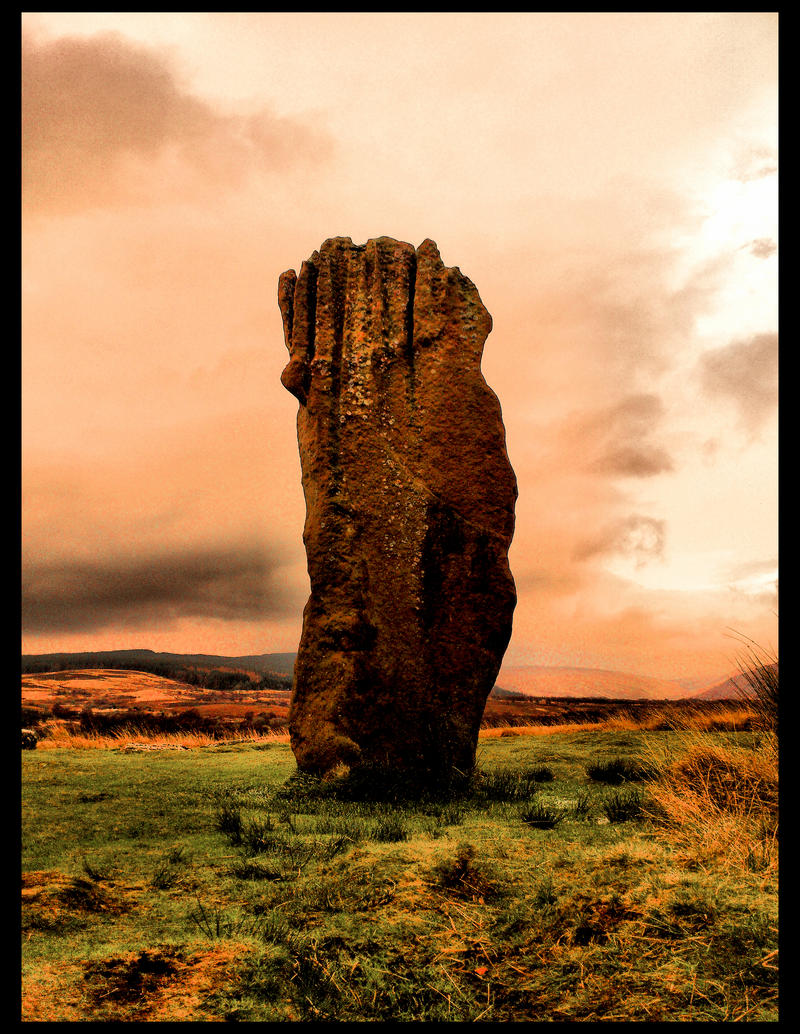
(740, 212)
(737, 240)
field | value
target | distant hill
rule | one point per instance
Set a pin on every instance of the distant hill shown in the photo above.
(86, 685)
(732, 688)
(277, 663)
(695, 685)
(522, 680)
(106, 699)
(544, 681)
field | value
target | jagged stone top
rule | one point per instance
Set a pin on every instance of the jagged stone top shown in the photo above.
(384, 336)
(384, 291)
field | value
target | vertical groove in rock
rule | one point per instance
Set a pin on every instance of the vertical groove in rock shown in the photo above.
(335, 266)
(409, 329)
(409, 509)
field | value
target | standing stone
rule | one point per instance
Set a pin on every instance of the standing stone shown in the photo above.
(409, 510)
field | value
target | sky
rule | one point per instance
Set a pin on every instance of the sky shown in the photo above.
(607, 180)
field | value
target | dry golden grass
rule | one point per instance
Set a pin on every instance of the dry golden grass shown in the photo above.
(57, 735)
(537, 730)
(724, 716)
(719, 801)
(154, 985)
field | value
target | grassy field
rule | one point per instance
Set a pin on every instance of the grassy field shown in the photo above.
(584, 875)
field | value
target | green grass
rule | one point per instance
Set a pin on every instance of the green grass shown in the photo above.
(216, 884)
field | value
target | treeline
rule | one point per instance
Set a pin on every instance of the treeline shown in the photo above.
(216, 679)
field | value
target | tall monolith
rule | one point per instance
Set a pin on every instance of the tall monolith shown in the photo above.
(409, 510)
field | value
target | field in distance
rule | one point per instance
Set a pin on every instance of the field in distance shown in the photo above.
(133, 696)
(106, 700)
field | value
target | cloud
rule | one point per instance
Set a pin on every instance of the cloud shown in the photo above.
(762, 248)
(754, 163)
(745, 373)
(615, 440)
(641, 538)
(106, 120)
(230, 583)
(756, 579)
(638, 461)
(153, 344)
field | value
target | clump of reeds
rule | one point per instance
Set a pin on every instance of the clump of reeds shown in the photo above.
(463, 876)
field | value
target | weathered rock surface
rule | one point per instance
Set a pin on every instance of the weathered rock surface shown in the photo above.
(409, 509)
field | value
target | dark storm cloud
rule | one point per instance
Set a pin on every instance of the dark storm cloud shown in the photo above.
(616, 440)
(745, 373)
(234, 583)
(97, 111)
(641, 538)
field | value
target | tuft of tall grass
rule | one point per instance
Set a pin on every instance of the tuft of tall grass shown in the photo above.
(623, 805)
(508, 784)
(390, 829)
(719, 800)
(584, 805)
(217, 923)
(169, 870)
(619, 770)
(229, 821)
(539, 815)
(759, 670)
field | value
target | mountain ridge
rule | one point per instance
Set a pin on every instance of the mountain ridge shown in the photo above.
(736, 686)
(568, 681)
